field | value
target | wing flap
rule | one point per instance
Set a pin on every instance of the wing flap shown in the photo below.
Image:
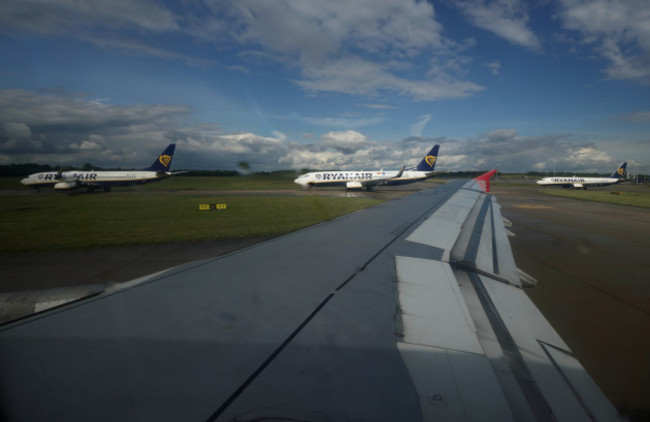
(447, 387)
(442, 228)
(431, 306)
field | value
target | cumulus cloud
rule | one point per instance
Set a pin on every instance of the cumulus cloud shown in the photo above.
(16, 130)
(618, 30)
(507, 19)
(365, 47)
(510, 151)
(93, 143)
(346, 142)
(68, 129)
(17, 136)
(60, 130)
(588, 155)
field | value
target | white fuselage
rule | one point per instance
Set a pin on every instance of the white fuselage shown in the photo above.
(578, 182)
(102, 179)
(349, 177)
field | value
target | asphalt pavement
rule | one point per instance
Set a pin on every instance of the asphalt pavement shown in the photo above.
(592, 263)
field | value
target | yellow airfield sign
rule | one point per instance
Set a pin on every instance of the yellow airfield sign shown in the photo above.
(211, 207)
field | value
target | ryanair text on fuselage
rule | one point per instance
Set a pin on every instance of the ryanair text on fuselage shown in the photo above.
(358, 179)
(584, 182)
(103, 180)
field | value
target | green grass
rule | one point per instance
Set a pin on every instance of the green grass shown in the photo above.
(62, 221)
(11, 183)
(634, 198)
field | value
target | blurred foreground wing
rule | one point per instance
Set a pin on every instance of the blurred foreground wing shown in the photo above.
(409, 310)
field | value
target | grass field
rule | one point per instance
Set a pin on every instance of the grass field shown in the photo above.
(61, 221)
(636, 198)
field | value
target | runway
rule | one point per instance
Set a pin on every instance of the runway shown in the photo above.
(591, 263)
(590, 260)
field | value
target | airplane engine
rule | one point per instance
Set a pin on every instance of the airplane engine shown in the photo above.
(353, 185)
(65, 185)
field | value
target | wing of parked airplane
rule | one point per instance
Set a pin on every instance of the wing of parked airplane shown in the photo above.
(410, 310)
(377, 181)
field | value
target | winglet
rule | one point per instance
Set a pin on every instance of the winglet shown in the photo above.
(398, 175)
(484, 179)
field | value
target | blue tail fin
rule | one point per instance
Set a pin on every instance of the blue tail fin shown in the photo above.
(620, 171)
(164, 160)
(428, 163)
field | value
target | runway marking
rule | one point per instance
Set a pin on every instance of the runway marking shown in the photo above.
(535, 207)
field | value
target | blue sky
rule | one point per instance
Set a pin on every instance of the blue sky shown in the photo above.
(520, 86)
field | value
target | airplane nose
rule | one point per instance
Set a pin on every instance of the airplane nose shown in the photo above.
(301, 181)
(24, 181)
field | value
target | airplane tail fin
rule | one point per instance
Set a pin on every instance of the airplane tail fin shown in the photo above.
(428, 163)
(484, 179)
(164, 160)
(620, 171)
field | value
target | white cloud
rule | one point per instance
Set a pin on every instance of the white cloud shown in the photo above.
(417, 128)
(353, 75)
(364, 47)
(61, 130)
(17, 136)
(495, 67)
(637, 117)
(343, 122)
(588, 155)
(93, 143)
(619, 30)
(507, 19)
(16, 130)
(356, 48)
(379, 106)
(346, 142)
(316, 29)
(73, 129)
(304, 158)
(70, 17)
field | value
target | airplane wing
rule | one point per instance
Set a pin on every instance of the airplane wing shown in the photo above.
(375, 181)
(411, 310)
(435, 173)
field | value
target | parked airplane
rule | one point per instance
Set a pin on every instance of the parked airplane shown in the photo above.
(584, 182)
(104, 180)
(357, 179)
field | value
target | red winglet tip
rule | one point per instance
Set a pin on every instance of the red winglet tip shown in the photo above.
(484, 179)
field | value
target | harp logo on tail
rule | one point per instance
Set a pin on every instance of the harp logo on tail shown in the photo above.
(430, 159)
(165, 160)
